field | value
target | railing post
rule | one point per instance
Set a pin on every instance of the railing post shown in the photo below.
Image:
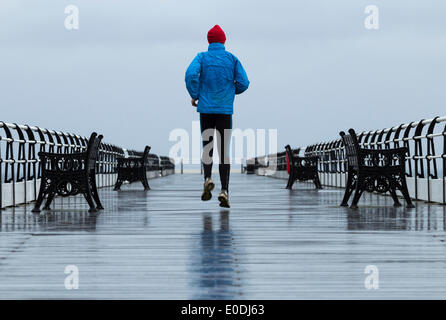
(418, 153)
(181, 166)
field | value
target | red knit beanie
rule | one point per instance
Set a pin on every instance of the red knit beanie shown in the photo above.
(216, 34)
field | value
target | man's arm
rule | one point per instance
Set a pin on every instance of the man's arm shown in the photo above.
(193, 77)
(241, 78)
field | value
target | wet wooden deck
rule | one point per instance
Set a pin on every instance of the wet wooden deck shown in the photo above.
(272, 244)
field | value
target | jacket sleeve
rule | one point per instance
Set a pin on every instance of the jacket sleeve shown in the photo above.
(241, 78)
(193, 77)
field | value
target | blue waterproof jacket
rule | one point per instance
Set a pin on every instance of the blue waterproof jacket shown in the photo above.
(214, 78)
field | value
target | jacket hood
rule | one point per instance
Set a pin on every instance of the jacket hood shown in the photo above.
(216, 46)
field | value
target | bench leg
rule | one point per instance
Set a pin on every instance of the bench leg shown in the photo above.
(357, 196)
(95, 193)
(117, 185)
(51, 195)
(90, 201)
(317, 182)
(348, 190)
(291, 180)
(145, 183)
(405, 192)
(40, 197)
(396, 202)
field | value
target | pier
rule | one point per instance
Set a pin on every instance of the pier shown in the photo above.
(167, 244)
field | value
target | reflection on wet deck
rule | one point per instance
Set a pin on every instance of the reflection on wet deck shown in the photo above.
(273, 243)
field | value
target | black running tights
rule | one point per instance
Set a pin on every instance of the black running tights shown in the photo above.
(223, 124)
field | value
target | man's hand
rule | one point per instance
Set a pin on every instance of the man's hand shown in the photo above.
(194, 102)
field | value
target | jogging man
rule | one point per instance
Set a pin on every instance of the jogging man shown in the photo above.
(213, 79)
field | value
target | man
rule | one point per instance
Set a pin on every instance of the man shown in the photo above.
(213, 79)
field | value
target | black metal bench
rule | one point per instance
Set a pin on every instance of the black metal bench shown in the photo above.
(132, 169)
(379, 170)
(69, 174)
(252, 165)
(154, 164)
(250, 168)
(301, 168)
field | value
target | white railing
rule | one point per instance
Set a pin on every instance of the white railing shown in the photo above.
(425, 162)
(19, 161)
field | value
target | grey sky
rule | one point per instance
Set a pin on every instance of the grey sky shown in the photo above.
(314, 68)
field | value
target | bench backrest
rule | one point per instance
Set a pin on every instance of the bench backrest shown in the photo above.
(351, 145)
(93, 150)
